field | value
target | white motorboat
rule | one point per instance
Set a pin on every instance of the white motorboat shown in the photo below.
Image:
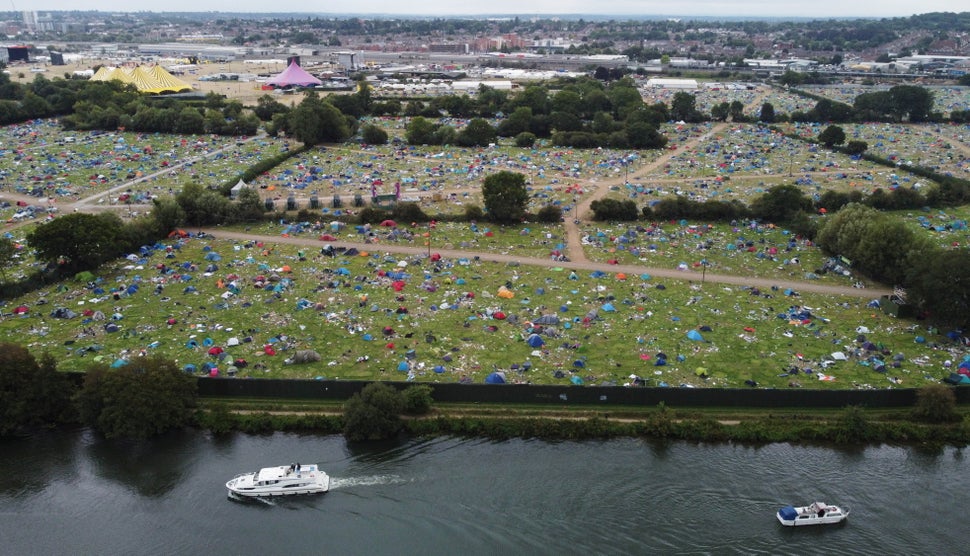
(280, 481)
(816, 513)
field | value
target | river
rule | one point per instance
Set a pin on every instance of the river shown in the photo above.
(76, 493)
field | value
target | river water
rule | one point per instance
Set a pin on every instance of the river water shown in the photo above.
(75, 493)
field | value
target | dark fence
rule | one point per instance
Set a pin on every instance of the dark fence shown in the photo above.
(575, 395)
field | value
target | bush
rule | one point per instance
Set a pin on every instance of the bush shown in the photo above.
(856, 147)
(371, 215)
(409, 212)
(550, 214)
(373, 135)
(374, 413)
(614, 209)
(853, 425)
(474, 213)
(218, 420)
(936, 403)
(525, 139)
(417, 399)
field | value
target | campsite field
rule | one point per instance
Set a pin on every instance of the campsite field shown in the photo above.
(41, 160)
(393, 317)
(445, 322)
(446, 179)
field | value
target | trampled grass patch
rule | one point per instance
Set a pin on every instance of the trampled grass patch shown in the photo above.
(394, 317)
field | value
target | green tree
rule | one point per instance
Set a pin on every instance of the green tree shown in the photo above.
(373, 135)
(79, 241)
(190, 121)
(168, 214)
(624, 98)
(614, 209)
(525, 139)
(719, 112)
(831, 136)
(912, 101)
(374, 413)
(248, 207)
(7, 252)
(936, 403)
(31, 394)
(736, 111)
(519, 121)
(146, 397)
(420, 131)
(683, 107)
(505, 196)
(780, 204)
(567, 101)
(767, 114)
(535, 97)
(641, 135)
(478, 133)
(315, 121)
(267, 107)
(940, 286)
(550, 214)
(418, 399)
(202, 206)
(856, 147)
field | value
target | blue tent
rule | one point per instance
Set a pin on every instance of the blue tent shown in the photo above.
(608, 307)
(439, 369)
(535, 341)
(498, 377)
(695, 335)
(118, 363)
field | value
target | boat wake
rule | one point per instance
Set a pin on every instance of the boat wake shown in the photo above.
(246, 499)
(345, 482)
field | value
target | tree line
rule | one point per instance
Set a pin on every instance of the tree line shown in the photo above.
(109, 105)
(147, 396)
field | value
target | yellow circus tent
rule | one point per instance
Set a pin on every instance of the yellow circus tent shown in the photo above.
(153, 80)
(168, 80)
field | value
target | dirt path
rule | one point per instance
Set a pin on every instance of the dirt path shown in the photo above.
(598, 189)
(578, 259)
(633, 270)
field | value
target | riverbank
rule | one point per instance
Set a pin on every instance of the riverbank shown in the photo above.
(853, 425)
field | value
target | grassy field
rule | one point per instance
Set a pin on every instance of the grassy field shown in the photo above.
(381, 315)
(377, 315)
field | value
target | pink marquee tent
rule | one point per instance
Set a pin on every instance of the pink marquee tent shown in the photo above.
(293, 76)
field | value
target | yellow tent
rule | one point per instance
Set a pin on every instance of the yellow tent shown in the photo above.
(154, 80)
(168, 82)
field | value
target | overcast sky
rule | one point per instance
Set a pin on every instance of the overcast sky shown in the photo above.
(744, 8)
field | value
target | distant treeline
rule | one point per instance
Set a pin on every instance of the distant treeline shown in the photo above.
(110, 105)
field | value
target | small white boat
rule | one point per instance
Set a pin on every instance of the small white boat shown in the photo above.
(280, 481)
(817, 513)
